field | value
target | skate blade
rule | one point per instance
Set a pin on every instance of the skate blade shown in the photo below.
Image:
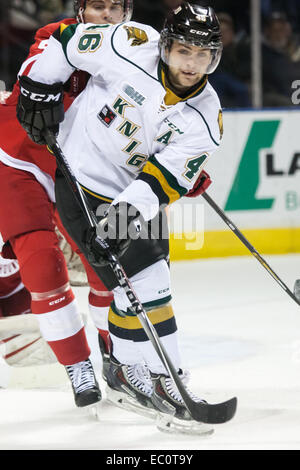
(171, 425)
(92, 411)
(129, 404)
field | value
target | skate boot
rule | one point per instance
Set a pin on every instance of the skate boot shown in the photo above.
(130, 388)
(85, 387)
(105, 353)
(173, 416)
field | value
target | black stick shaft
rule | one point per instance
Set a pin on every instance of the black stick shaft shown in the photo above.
(248, 245)
(119, 271)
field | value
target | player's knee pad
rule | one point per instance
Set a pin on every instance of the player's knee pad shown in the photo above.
(42, 264)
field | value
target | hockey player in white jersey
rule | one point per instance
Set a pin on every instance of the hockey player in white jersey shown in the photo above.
(137, 139)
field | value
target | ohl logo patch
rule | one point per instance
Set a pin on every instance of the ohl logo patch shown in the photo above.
(106, 116)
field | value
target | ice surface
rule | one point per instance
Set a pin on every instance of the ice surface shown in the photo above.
(239, 335)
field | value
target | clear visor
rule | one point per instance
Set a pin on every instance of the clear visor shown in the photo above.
(190, 58)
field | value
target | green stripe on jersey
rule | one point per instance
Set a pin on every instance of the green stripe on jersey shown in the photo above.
(172, 181)
(65, 37)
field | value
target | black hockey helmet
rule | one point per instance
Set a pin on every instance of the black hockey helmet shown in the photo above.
(193, 25)
(79, 7)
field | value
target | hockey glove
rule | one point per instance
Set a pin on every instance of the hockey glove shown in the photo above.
(40, 107)
(201, 185)
(121, 225)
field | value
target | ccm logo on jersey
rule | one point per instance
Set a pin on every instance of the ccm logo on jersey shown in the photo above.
(38, 97)
(57, 301)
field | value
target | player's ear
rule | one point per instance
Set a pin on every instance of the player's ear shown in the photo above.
(168, 49)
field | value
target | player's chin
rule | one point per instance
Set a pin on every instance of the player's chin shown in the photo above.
(189, 79)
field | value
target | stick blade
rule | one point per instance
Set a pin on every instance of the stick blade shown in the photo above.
(213, 413)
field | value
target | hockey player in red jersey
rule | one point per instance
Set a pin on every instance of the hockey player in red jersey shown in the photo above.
(27, 193)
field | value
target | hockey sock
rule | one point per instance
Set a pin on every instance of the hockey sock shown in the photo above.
(106, 339)
(99, 297)
(124, 349)
(164, 322)
(44, 273)
(122, 329)
(99, 302)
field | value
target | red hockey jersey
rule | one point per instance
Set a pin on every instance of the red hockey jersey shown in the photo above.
(16, 149)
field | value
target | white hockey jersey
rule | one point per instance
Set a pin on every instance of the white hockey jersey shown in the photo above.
(127, 136)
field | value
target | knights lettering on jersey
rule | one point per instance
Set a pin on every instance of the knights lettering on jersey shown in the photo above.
(120, 106)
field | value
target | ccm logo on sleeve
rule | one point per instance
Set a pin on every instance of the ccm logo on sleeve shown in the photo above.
(39, 97)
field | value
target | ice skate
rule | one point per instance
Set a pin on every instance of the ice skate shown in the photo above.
(173, 417)
(130, 388)
(85, 387)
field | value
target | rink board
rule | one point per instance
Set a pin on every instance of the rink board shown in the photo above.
(256, 181)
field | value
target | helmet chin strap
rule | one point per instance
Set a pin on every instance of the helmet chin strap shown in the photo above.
(80, 17)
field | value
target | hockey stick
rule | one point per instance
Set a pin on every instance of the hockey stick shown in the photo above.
(200, 411)
(248, 245)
